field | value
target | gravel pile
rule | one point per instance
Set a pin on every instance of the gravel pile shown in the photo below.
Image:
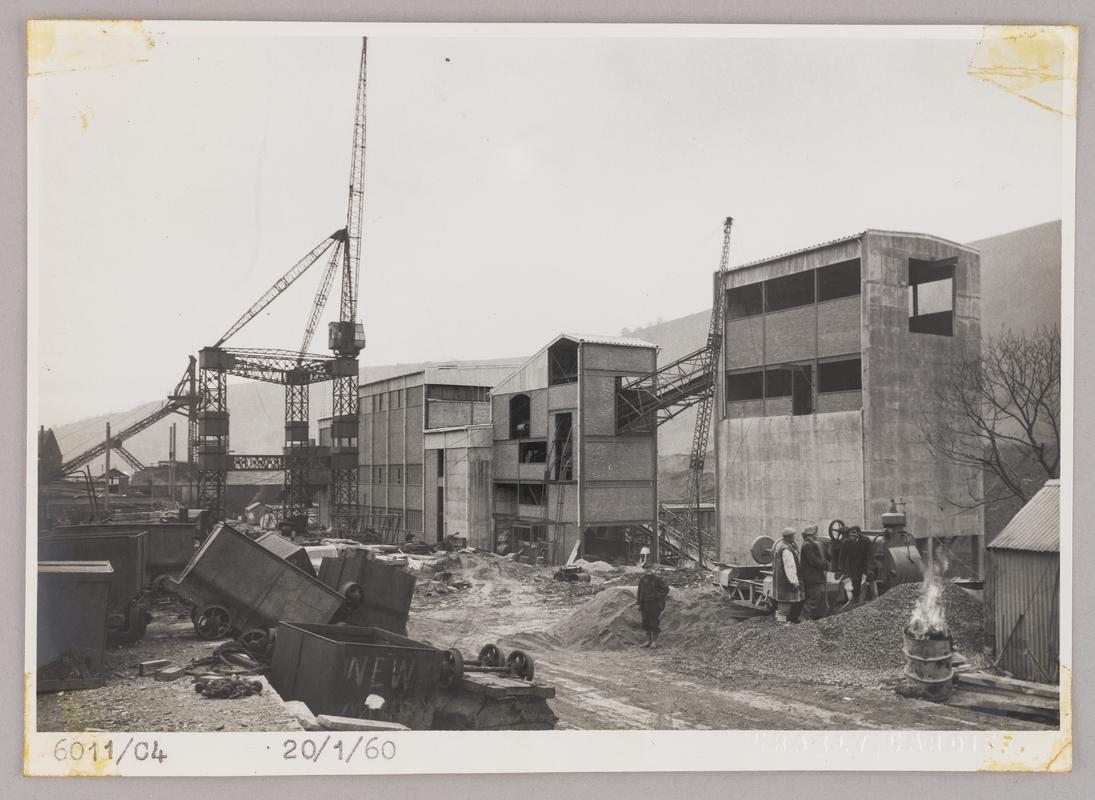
(861, 646)
(680, 578)
(611, 621)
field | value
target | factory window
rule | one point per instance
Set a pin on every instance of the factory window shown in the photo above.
(378, 474)
(378, 402)
(472, 394)
(777, 383)
(530, 494)
(562, 468)
(396, 399)
(413, 521)
(441, 463)
(745, 301)
(413, 396)
(562, 362)
(519, 415)
(790, 291)
(532, 452)
(745, 385)
(395, 472)
(839, 280)
(802, 390)
(931, 296)
(414, 474)
(840, 376)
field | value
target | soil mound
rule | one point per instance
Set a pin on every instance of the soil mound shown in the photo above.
(611, 621)
(856, 647)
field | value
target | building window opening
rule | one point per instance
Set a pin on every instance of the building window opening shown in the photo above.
(563, 362)
(840, 376)
(441, 463)
(563, 445)
(790, 291)
(530, 494)
(839, 280)
(519, 416)
(744, 386)
(777, 383)
(397, 474)
(532, 452)
(802, 390)
(931, 296)
(745, 301)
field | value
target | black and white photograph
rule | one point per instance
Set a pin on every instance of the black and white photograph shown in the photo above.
(393, 386)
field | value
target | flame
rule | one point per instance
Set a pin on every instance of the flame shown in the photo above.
(928, 618)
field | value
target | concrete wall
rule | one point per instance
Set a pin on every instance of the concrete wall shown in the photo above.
(393, 437)
(779, 471)
(901, 372)
(466, 485)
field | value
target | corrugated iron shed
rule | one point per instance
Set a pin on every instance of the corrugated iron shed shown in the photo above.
(1037, 526)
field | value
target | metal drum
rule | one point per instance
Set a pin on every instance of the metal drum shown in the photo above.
(127, 607)
(237, 585)
(928, 669)
(72, 609)
(364, 673)
(386, 589)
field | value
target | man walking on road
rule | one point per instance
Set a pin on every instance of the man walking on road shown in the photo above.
(652, 593)
(812, 574)
(786, 588)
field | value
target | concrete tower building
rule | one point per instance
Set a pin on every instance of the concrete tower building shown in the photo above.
(831, 356)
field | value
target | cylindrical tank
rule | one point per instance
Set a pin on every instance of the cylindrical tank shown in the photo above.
(928, 670)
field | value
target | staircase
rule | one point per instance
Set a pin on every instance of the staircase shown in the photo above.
(685, 539)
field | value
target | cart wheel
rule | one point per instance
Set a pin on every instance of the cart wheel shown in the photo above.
(257, 641)
(452, 668)
(490, 655)
(837, 529)
(212, 622)
(521, 665)
(353, 594)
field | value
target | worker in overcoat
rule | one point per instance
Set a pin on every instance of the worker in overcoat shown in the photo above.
(786, 586)
(653, 591)
(813, 574)
(857, 560)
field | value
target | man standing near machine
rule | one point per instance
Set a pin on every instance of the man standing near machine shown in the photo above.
(786, 587)
(812, 574)
(857, 560)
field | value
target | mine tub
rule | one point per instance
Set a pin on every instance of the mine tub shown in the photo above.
(365, 673)
(127, 605)
(386, 589)
(237, 585)
(170, 545)
(290, 551)
(72, 612)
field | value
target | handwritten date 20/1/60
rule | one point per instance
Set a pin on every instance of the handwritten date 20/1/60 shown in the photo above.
(345, 750)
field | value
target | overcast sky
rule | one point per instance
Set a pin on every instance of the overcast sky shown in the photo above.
(515, 187)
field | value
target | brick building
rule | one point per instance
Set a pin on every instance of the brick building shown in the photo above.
(830, 358)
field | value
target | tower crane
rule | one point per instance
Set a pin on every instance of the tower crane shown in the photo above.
(296, 370)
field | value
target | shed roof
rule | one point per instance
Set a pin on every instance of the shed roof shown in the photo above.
(1037, 526)
(620, 341)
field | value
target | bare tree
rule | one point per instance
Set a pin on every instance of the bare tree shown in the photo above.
(1001, 414)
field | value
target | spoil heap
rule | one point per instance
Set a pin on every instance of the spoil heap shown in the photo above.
(610, 619)
(859, 647)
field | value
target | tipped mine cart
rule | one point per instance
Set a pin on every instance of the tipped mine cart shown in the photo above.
(238, 586)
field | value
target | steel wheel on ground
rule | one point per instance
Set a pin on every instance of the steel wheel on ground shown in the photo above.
(256, 640)
(491, 655)
(452, 669)
(212, 622)
(521, 665)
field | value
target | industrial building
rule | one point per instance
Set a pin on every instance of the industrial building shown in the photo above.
(563, 473)
(396, 412)
(830, 356)
(1023, 590)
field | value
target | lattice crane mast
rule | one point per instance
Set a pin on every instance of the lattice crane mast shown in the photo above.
(297, 370)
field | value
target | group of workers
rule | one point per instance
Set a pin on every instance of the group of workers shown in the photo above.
(799, 574)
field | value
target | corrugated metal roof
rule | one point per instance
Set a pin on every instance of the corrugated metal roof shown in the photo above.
(1037, 526)
(622, 341)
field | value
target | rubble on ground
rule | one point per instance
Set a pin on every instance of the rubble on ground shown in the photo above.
(862, 646)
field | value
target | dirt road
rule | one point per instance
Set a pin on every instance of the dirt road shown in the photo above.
(637, 688)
